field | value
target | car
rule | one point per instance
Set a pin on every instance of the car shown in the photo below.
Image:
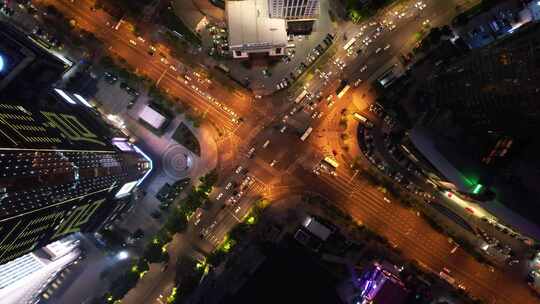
(238, 170)
(110, 78)
(357, 82)
(386, 47)
(378, 50)
(219, 196)
(266, 143)
(363, 69)
(197, 216)
(251, 152)
(282, 130)
(314, 115)
(285, 118)
(238, 208)
(293, 111)
(155, 214)
(229, 185)
(329, 98)
(138, 234)
(273, 163)
(133, 42)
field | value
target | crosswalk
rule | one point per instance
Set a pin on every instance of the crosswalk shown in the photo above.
(406, 231)
(230, 215)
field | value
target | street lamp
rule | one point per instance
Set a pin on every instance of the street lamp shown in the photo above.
(122, 255)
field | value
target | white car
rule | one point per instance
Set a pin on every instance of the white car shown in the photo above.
(229, 185)
(133, 42)
(238, 208)
(386, 47)
(378, 50)
(357, 82)
(293, 111)
(386, 199)
(282, 130)
(273, 163)
(363, 69)
(238, 170)
(251, 152)
(219, 196)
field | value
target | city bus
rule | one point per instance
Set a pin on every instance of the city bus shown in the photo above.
(306, 134)
(363, 120)
(343, 91)
(301, 96)
(360, 117)
(349, 44)
(331, 161)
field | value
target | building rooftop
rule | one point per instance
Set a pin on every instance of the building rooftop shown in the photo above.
(250, 25)
(422, 140)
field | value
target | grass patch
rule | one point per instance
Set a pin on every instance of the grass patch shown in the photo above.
(175, 24)
(185, 137)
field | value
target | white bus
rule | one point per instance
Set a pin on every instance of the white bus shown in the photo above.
(301, 96)
(349, 44)
(343, 91)
(331, 161)
(363, 120)
(306, 134)
(360, 117)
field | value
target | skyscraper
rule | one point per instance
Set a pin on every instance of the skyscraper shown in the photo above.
(62, 169)
(495, 89)
(26, 69)
(294, 9)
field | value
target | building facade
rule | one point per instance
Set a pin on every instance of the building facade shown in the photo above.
(494, 90)
(294, 9)
(63, 169)
(252, 31)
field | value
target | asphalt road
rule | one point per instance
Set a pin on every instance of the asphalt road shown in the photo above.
(291, 172)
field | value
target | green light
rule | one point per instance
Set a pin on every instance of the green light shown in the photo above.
(250, 220)
(477, 188)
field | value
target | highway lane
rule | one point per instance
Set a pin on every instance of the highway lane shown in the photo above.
(120, 42)
(416, 239)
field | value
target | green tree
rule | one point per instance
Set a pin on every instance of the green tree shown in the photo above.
(153, 252)
(176, 222)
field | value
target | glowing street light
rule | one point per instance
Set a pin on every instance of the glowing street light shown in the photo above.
(1, 63)
(122, 255)
(477, 189)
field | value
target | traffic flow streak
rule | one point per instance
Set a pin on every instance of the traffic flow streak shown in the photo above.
(120, 42)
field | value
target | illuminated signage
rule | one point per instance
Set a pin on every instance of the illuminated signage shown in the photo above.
(126, 189)
(23, 128)
(77, 218)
